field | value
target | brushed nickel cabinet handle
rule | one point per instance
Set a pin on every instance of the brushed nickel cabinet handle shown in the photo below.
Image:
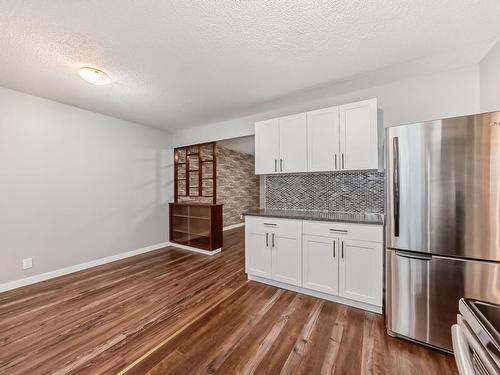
(272, 239)
(269, 224)
(281, 165)
(334, 249)
(339, 230)
(342, 249)
(275, 165)
(335, 157)
(267, 239)
(343, 166)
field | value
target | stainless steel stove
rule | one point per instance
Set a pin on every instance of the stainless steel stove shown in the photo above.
(476, 338)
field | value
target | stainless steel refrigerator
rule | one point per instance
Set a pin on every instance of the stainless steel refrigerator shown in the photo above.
(443, 223)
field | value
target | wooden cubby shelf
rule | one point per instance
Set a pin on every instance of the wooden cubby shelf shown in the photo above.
(195, 216)
(196, 224)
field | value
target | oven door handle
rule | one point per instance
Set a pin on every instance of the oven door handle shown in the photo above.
(461, 351)
(469, 340)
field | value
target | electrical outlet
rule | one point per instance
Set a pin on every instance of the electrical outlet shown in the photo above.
(27, 263)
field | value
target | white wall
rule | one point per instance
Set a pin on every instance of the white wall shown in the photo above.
(490, 80)
(417, 98)
(76, 185)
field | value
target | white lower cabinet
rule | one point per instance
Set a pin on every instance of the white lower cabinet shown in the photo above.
(286, 261)
(257, 254)
(343, 262)
(321, 263)
(361, 271)
(273, 249)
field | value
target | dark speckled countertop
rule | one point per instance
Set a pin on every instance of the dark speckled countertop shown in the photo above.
(345, 217)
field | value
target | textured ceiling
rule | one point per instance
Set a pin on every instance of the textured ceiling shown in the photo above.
(185, 63)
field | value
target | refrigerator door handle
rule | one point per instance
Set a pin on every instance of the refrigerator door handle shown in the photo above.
(413, 255)
(395, 184)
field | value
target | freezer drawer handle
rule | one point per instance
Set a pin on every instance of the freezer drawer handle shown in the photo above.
(395, 184)
(413, 256)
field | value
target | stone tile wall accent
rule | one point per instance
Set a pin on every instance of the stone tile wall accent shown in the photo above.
(356, 191)
(238, 188)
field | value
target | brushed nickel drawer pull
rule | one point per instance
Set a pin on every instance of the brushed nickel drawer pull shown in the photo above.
(339, 230)
(269, 224)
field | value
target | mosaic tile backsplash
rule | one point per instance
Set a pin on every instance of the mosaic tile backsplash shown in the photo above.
(354, 191)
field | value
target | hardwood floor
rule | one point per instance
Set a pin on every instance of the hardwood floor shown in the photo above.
(175, 312)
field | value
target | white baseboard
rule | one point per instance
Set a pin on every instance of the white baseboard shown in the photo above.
(313, 293)
(78, 267)
(234, 226)
(195, 249)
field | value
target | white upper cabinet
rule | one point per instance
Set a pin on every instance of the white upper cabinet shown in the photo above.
(323, 140)
(329, 139)
(293, 144)
(358, 135)
(267, 142)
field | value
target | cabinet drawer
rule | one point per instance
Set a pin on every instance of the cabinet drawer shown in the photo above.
(284, 227)
(344, 230)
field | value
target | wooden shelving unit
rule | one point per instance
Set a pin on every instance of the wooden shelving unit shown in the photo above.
(195, 216)
(196, 224)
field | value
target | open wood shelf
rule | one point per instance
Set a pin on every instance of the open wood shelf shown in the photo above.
(186, 231)
(192, 217)
(198, 225)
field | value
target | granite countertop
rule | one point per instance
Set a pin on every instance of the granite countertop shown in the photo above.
(345, 217)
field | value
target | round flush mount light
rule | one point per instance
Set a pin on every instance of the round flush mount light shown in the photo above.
(94, 76)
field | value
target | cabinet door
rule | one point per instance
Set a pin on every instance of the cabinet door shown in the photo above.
(287, 251)
(360, 271)
(320, 257)
(323, 140)
(267, 145)
(358, 135)
(258, 254)
(293, 143)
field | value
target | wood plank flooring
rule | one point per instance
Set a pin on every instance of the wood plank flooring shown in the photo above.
(175, 312)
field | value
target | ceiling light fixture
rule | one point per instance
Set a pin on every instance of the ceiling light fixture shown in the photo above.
(94, 76)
